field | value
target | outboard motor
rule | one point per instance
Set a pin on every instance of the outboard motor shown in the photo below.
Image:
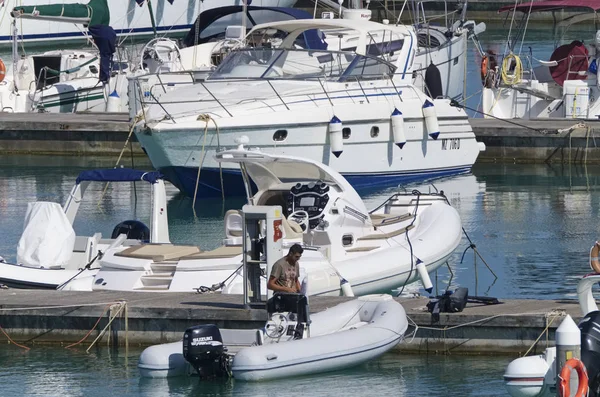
(134, 230)
(590, 350)
(203, 348)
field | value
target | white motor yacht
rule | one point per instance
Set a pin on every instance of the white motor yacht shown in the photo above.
(357, 111)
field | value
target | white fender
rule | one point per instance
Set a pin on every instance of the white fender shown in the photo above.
(346, 287)
(113, 103)
(336, 138)
(587, 303)
(424, 275)
(398, 128)
(431, 121)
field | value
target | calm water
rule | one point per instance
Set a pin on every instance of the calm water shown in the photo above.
(533, 224)
(44, 371)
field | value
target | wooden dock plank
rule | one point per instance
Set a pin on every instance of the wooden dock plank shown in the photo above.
(37, 316)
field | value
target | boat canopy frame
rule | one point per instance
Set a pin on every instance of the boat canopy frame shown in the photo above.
(584, 10)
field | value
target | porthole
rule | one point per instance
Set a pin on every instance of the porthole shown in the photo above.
(280, 135)
(374, 132)
(346, 132)
(347, 240)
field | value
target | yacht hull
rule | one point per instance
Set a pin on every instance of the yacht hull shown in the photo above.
(178, 150)
(127, 18)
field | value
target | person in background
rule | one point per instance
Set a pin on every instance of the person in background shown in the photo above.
(285, 272)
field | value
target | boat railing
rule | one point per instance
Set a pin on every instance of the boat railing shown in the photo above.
(144, 92)
(421, 17)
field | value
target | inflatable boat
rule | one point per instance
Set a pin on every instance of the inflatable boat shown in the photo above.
(402, 240)
(50, 254)
(292, 343)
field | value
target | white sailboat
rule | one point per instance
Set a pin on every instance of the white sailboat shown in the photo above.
(563, 84)
(127, 18)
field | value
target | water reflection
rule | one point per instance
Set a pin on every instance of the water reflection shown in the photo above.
(390, 375)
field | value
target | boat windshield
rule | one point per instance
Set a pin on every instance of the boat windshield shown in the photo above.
(267, 63)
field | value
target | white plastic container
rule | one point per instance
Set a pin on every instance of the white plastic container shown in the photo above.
(576, 97)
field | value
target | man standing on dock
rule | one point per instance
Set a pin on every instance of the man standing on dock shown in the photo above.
(285, 272)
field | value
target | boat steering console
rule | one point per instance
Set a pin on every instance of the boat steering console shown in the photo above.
(288, 316)
(308, 200)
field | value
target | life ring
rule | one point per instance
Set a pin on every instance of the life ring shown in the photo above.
(484, 68)
(2, 70)
(594, 260)
(564, 387)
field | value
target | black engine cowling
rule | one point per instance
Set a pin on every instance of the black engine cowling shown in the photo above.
(134, 230)
(590, 350)
(203, 348)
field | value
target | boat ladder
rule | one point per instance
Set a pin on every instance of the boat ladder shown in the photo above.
(160, 277)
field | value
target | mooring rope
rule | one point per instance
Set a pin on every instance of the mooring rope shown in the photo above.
(120, 307)
(545, 331)
(91, 330)
(207, 118)
(12, 341)
(480, 321)
(135, 120)
(412, 256)
(215, 287)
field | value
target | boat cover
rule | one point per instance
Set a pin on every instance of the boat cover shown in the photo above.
(118, 175)
(571, 59)
(48, 237)
(95, 12)
(212, 23)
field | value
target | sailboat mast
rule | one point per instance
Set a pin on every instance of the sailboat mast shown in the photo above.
(15, 48)
(244, 11)
(152, 21)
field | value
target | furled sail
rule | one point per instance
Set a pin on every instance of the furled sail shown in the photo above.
(93, 13)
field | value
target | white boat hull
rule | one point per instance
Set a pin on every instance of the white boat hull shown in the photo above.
(18, 276)
(436, 234)
(178, 150)
(126, 17)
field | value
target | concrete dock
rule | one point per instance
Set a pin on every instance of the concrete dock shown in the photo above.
(96, 134)
(32, 317)
(99, 134)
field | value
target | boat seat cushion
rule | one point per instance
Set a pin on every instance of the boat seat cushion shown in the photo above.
(233, 223)
(361, 249)
(159, 252)
(381, 236)
(379, 220)
(221, 252)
